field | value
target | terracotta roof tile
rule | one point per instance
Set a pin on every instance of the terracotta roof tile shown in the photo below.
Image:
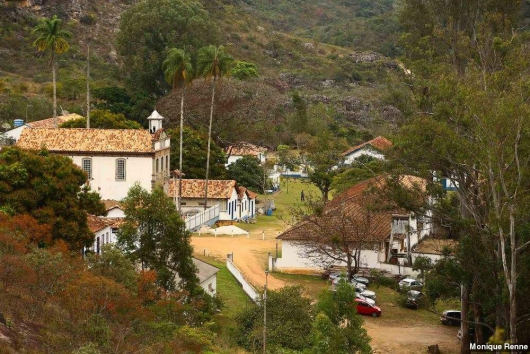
(355, 206)
(50, 122)
(194, 188)
(97, 223)
(243, 149)
(380, 143)
(87, 140)
(110, 204)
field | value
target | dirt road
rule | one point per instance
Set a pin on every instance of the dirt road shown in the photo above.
(411, 340)
(250, 254)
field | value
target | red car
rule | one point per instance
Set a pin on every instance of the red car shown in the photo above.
(364, 308)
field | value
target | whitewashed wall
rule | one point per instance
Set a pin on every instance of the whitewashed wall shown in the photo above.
(138, 169)
(15, 133)
(364, 151)
(210, 285)
(105, 237)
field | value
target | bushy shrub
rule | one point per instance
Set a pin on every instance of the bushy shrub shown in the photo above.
(380, 279)
(88, 19)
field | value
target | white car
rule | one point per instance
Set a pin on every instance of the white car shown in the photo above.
(369, 294)
(409, 283)
(365, 299)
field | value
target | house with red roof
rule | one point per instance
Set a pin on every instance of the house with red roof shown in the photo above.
(374, 148)
(236, 152)
(44, 123)
(376, 234)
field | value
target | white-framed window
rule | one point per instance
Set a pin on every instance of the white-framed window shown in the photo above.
(86, 165)
(156, 165)
(120, 170)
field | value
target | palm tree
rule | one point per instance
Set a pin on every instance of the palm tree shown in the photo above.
(212, 62)
(52, 37)
(178, 71)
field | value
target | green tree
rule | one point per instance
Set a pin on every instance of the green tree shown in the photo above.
(243, 70)
(48, 187)
(178, 71)
(51, 37)
(363, 168)
(194, 145)
(113, 264)
(288, 322)
(102, 119)
(325, 159)
(248, 172)
(337, 327)
(212, 63)
(113, 99)
(147, 30)
(154, 235)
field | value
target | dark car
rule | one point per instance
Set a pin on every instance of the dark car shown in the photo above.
(450, 318)
(413, 298)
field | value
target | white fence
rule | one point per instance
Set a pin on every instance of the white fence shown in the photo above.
(247, 288)
(204, 217)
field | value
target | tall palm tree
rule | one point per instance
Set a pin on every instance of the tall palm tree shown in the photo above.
(212, 63)
(51, 37)
(178, 72)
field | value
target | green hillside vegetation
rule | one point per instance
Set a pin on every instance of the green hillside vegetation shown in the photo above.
(353, 83)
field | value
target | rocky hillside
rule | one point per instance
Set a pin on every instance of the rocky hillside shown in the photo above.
(289, 50)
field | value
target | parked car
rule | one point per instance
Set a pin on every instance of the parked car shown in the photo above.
(361, 280)
(367, 299)
(364, 308)
(366, 293)
(409, 283)
(413, 298)
(450, 318)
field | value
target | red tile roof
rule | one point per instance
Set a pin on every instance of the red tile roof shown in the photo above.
(111, 204)
(87, 140)
(194, 188)
(243, 149)
(353, 212)
(97, 223)
(50, 122)
(380, 143)
(242, 190)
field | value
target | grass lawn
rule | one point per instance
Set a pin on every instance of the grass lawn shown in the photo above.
(312, 284)
(228, 289)
(393, 313)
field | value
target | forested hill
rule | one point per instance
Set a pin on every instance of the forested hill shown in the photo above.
(334, 53)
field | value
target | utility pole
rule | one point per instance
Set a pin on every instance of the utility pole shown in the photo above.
(88, 87)
(265, 314)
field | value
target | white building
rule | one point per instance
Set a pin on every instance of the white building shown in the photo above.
(235, 202)
(113, 159)
(373, 148)
(104, 229)
(236, 152)
(207, 275)
(44, 123)
(384, 238)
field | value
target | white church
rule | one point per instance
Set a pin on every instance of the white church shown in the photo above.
(113, 159)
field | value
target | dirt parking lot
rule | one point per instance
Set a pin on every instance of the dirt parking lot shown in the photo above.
(250, 256)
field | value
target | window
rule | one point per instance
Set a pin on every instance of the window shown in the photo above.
(156, 165)
(86, 165)
(167, 162)
(120, 170)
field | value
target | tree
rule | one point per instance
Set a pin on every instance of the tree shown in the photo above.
(212, 63)
(363, 168)
(48, 187)
(248, 172)
(469, 60)
(244, 71)
(147, 30)
(337, 327)
(113, 99)
(178, 71)
(102, 119)
(154, 235)
(325, 159)
(51, 37)
(288, 321)
(113, 264)
(336, 232)
(194, 145)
